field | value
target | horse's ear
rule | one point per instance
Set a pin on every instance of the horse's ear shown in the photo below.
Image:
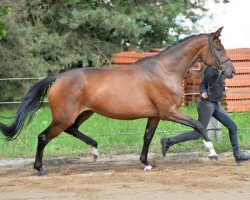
(216, 34)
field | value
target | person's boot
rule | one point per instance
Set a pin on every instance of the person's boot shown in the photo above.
(240, 156)
(165, 144)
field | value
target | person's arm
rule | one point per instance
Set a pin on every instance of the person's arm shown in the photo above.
(208, 74)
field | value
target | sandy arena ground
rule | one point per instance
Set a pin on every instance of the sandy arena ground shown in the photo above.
(196, 180)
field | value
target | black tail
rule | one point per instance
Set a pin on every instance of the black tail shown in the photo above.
(31, 102)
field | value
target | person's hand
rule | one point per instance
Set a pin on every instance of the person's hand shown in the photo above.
(204, 95)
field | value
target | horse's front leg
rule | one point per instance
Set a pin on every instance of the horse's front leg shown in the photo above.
(148, 136)
(188, 121)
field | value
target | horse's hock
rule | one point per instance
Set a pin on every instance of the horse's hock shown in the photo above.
(237, 99)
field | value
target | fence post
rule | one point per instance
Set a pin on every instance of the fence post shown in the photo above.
(214, 129)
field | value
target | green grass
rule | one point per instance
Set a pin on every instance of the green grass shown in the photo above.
(113, 136)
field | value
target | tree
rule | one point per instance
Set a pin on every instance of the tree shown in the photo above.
(4, 10)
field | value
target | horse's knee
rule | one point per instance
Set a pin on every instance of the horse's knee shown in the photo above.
(71, 130)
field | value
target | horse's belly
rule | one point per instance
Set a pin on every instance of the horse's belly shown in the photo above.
(125, 115)
(123, 109)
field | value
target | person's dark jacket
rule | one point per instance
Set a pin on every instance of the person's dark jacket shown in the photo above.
(213, 84)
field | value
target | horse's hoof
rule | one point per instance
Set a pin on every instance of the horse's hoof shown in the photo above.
(213, 157)
(94, 157)
(147, 167)
(94, 153)
(42, 172)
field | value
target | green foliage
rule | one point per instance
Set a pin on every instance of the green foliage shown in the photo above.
(4, 10)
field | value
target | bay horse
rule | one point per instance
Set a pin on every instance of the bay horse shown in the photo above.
(150, 88)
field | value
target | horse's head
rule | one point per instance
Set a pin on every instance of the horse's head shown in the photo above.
(215, 55)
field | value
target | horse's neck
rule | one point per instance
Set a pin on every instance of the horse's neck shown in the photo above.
(182, 56)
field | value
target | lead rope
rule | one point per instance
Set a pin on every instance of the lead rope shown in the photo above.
(209, 87)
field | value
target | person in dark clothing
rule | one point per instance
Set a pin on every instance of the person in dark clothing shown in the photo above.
(211, 90)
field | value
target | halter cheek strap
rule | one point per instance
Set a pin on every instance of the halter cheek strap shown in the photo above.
(219, 63)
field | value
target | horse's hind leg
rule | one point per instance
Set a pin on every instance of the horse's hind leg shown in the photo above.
(43, 139)
(148, 136)
(42, 142)
(73, 130)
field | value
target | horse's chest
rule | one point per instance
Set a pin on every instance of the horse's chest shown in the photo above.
(171, 87)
